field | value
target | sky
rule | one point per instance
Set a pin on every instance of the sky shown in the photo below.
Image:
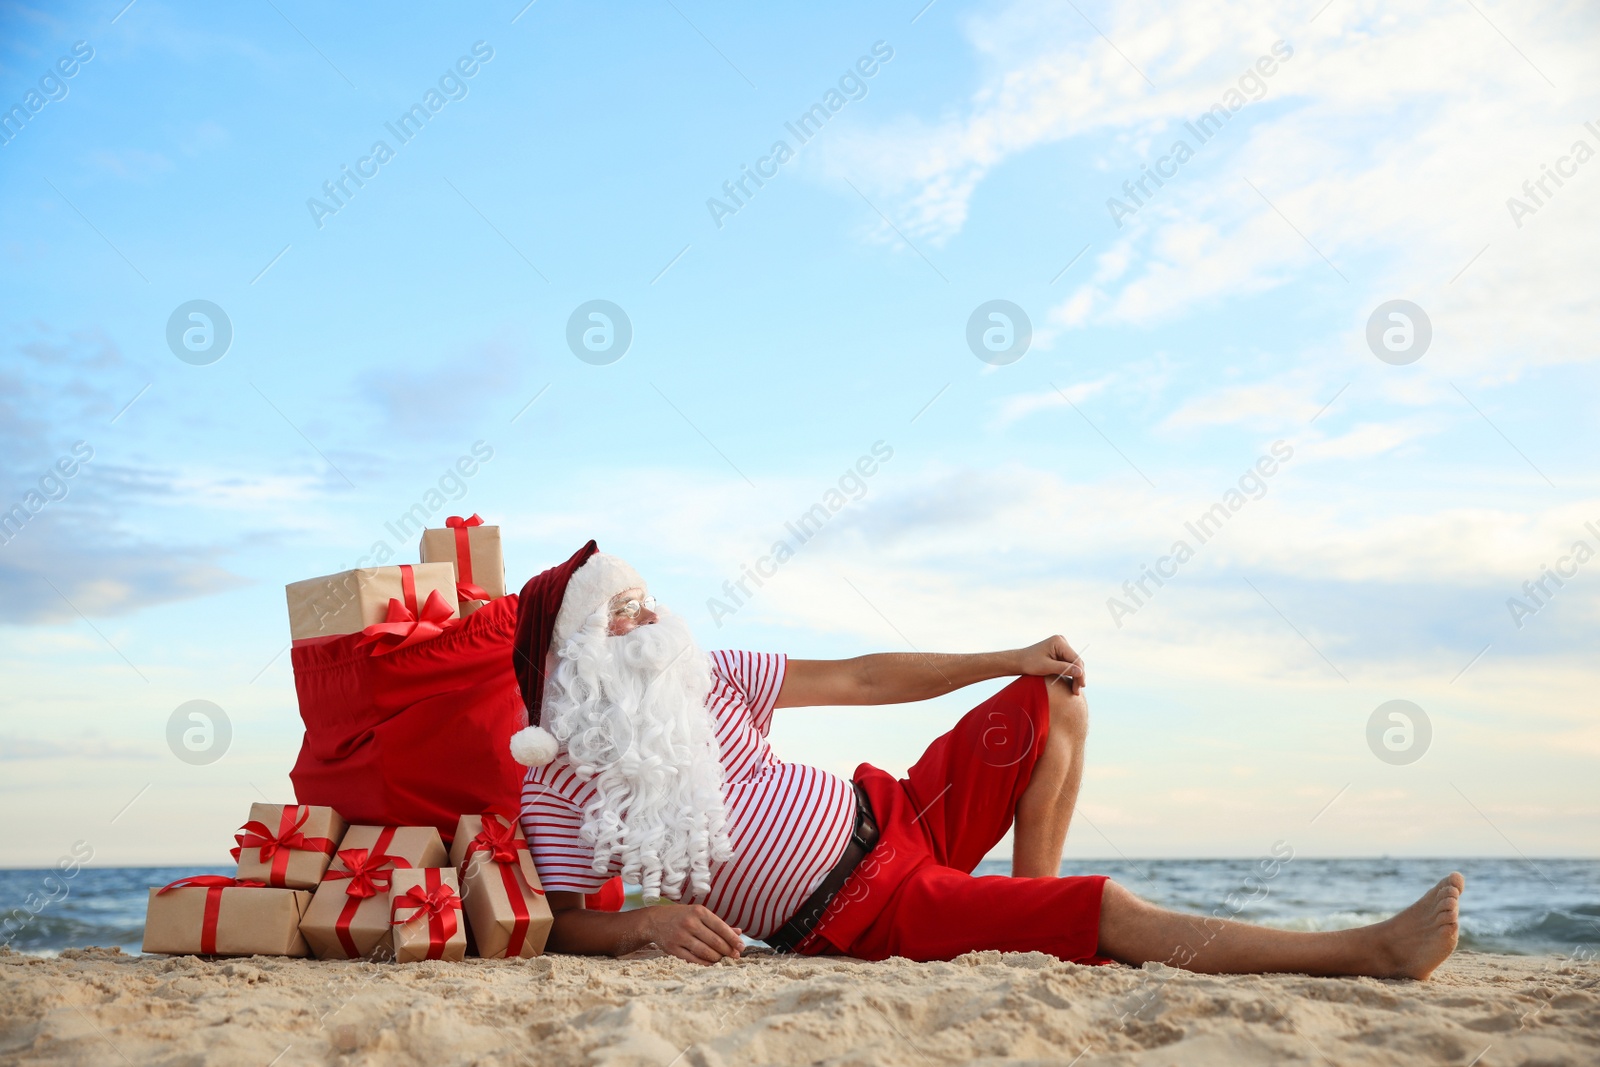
(398, 225)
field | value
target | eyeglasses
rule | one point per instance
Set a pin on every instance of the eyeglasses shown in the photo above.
(630, 609)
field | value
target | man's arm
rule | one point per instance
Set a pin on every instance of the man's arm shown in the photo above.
(689, 931)
(903, 677)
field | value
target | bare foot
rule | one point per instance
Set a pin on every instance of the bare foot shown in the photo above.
(1415, 942)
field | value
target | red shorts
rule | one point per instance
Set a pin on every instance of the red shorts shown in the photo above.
(915, 896)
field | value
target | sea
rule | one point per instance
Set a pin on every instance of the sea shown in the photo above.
(1533, 907)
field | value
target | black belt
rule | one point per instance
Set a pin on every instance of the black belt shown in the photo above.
(862, 840)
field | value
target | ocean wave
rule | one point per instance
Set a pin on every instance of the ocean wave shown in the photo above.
(51, 932)
(1555, 930)
(1567, 931)
(1339, 920)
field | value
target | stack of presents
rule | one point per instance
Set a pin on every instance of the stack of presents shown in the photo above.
(405, 843)
(309, 884)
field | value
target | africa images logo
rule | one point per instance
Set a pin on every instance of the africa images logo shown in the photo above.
(1399, 732)
(452, 85)
(199, 332)
(599, 332)
(1202, 129)
(52, 88)
(199, 732)
(852, 85)
(1549, 182)
(999, 332)
(1399, 332)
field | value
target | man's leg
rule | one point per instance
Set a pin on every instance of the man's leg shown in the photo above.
(1044, 811)
(1410, 945)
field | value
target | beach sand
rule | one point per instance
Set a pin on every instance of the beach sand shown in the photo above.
(100, 1006)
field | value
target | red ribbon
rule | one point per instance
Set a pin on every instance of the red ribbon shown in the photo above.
(499, 840)
(439, 903)
(370, 871)
(213, 884)
(465, 590)
(404, 624)
(276, 847)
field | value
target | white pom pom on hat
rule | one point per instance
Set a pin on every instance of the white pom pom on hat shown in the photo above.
(533, 746)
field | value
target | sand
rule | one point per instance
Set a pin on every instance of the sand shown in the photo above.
(100, 1006)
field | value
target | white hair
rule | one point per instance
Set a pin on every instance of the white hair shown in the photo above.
(630, 711)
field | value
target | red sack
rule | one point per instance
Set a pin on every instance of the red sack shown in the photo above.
(419, 735)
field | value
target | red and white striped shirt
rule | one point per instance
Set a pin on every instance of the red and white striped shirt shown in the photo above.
(788, 823)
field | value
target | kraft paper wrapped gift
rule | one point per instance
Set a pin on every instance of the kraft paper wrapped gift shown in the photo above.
(212, 915)
(500, 889)
(349, 915)
(402, 604)
(288, 845)
(474, 550)
(427, 922)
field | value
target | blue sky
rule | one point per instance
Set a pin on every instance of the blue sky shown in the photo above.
(771, 351)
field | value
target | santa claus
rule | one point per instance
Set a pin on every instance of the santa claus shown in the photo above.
(648, 758)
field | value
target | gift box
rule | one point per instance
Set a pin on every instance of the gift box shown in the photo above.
(349, 916)
(426, 910)
(287, 845)
(392, 606)
(212, 915)
(474, 550)
(500, 889)
(467, 607)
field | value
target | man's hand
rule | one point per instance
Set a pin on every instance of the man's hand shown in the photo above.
(691, 932)
(1053, 657)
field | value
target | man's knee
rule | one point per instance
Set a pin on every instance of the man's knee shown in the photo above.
(1069, 711)
(1117, 902)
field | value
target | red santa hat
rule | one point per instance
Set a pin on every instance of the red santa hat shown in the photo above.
(550, 610)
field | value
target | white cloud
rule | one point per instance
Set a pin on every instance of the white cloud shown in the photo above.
(966, 551)
(280, 495)
(1376, 438)
(1388, 144)
(1262, 405)
(1025, 404)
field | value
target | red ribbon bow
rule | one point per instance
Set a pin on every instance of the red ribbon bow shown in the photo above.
(499, 840)
(465, 590)
(213, 884)
(369, 871)
(405, 624)
(276, 847)
(438, 903)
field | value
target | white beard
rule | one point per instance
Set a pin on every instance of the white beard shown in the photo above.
(630, 712)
